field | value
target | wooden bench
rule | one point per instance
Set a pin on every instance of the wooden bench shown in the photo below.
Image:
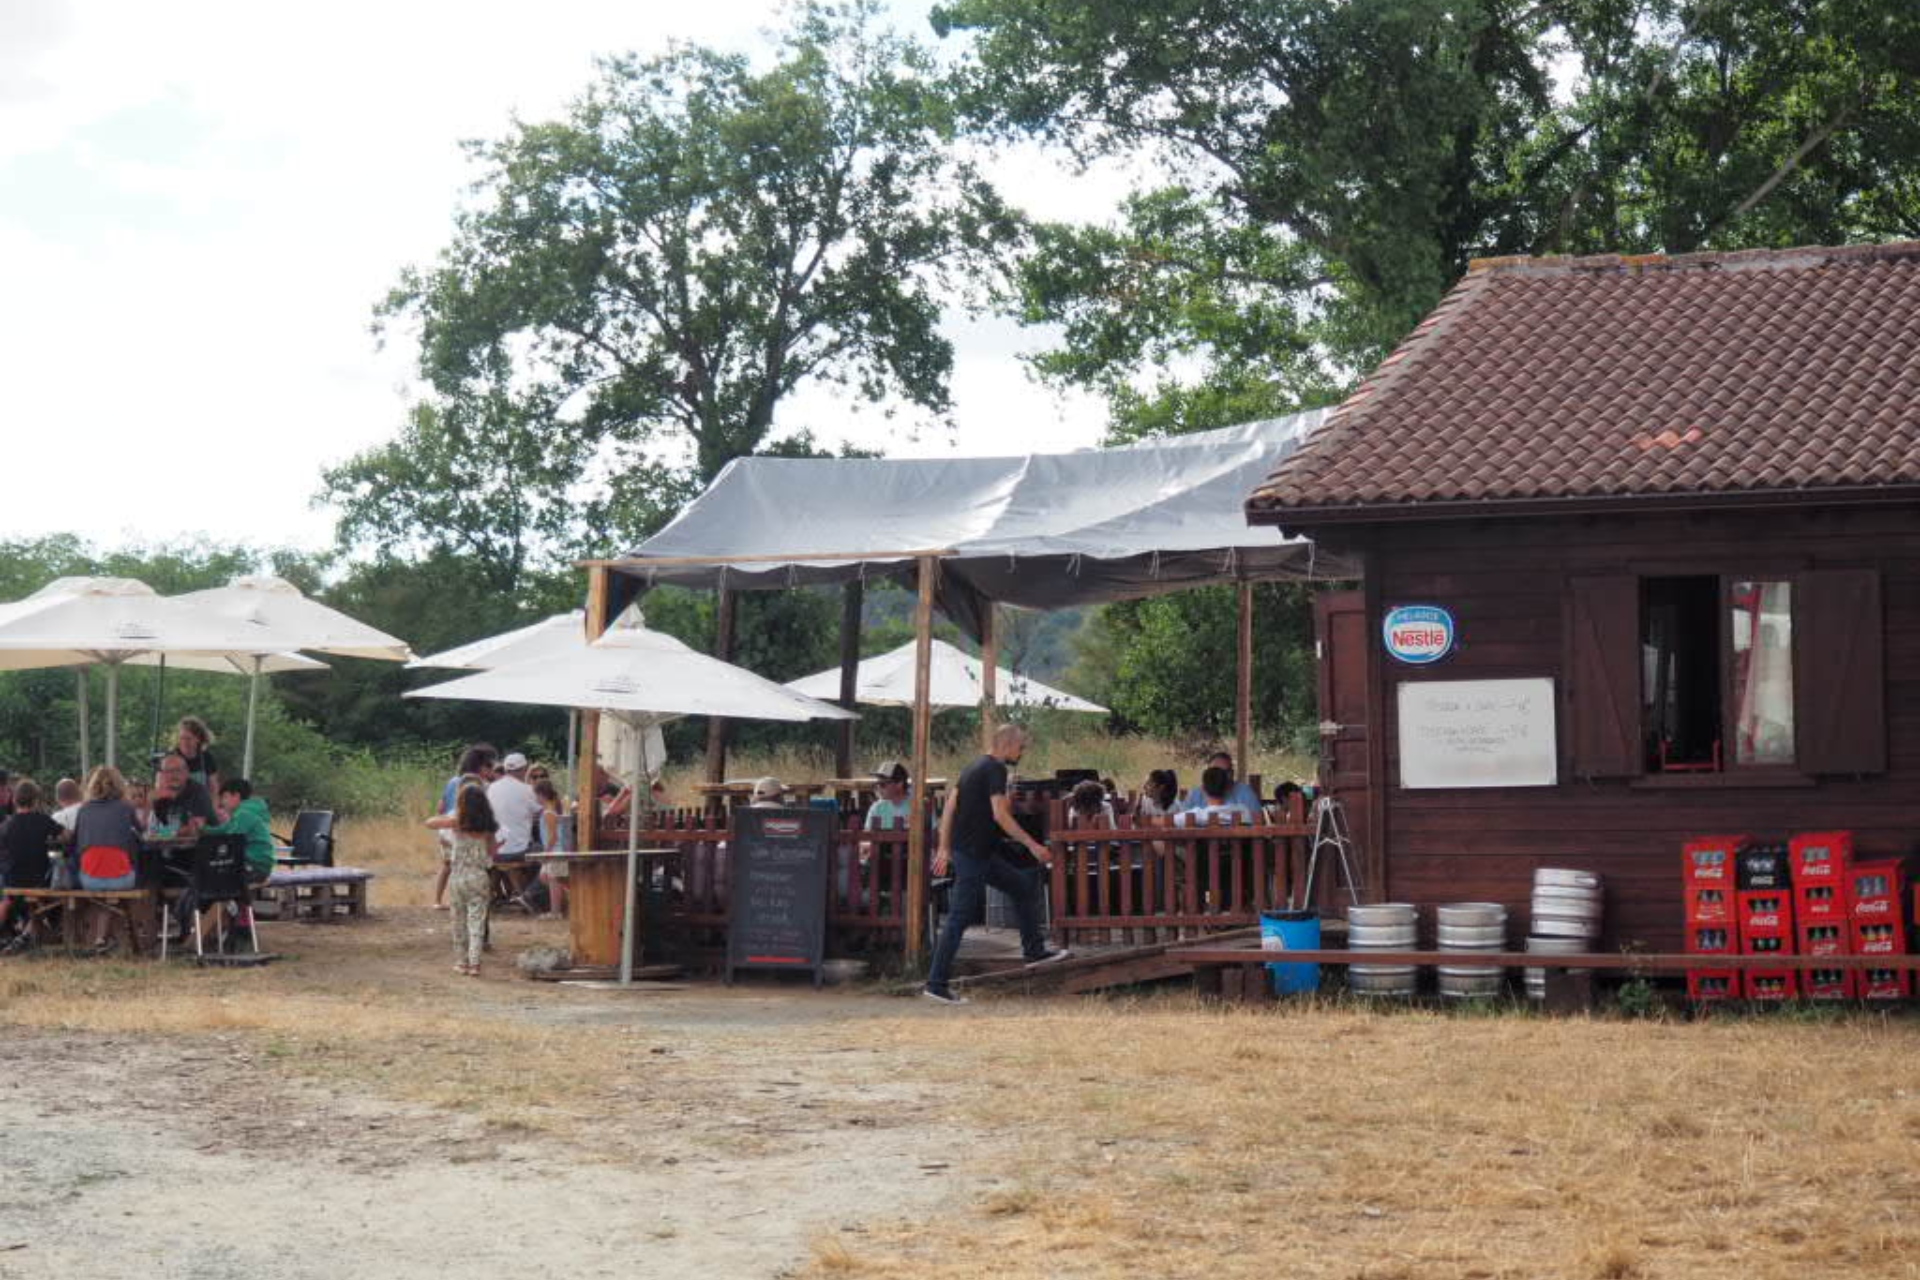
(132, 907)
(311, 894)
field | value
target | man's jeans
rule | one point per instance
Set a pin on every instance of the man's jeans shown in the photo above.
(971, 875)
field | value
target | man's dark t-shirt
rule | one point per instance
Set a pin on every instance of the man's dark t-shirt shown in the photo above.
(974, 828)
(192, 802)
(23, 849)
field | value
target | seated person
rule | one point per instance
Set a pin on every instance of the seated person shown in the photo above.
(769, 793)
(517, 810)
(242, 813)
(25, 840)
(1159, 795)
(107, 842)
(66, 803)
(1238, 793)
(181, 807)
(1088, 806)
(1216, 789)
(1283, 799)
(891, 809)
(140, 796)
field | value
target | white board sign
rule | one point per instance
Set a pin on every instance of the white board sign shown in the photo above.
(1477, 733)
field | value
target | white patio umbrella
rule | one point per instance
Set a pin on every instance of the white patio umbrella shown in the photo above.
(886, 680)
(287, 619)
(559, 636)
(74, 622)
(645, 678)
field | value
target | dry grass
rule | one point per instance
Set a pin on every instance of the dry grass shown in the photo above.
(1164, 1140)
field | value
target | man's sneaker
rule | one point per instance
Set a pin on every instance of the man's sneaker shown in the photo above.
(1054, 955)
(942, 997)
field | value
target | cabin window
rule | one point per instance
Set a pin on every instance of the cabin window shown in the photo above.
(1695, 674)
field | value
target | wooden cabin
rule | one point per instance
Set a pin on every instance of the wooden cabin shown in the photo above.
(1640, 544)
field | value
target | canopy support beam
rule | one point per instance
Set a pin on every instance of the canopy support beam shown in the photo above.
(587, 798)
(852, 598)
(253, 708)
(723, 648)
(989, 674)
(1243, 690)
(918, 810)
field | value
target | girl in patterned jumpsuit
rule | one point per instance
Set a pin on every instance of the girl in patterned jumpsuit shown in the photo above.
(475, 838)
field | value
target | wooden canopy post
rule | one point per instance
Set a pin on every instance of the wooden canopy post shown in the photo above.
(723, 650)
(989, 675)
(1243, 691)
(852, 596)
(917, 818)
(587, 810)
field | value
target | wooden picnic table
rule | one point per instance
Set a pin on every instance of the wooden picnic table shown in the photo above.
(597, 900)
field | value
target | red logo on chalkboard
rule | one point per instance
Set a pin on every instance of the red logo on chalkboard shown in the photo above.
(788, 827)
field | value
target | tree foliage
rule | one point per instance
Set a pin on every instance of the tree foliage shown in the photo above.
(1322, 172)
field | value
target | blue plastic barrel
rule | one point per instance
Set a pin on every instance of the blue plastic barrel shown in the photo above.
(1291, 931)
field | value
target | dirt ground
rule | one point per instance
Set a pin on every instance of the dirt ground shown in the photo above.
(740, 1125)
(356, 1109)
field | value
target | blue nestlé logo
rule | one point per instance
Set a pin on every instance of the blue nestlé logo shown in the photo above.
(1418, 633)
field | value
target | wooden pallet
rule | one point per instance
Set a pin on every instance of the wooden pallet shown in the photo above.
(337, 895)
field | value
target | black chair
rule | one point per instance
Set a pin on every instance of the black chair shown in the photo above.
(311, 844)
(218, 877)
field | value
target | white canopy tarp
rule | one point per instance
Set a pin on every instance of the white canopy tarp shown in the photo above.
(886, 680)
(1047, 530)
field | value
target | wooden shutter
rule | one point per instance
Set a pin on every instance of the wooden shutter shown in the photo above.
(1840, 675)
(1603, 676)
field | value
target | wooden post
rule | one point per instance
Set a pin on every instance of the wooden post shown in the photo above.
(916, 921)
(1243, 692)
(989, 675)
(587, 813)
(851, 597)
(723, 650)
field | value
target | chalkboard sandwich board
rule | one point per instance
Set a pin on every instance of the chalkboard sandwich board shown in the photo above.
(779, 864)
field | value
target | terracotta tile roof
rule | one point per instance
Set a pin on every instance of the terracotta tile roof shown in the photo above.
(1577, 382)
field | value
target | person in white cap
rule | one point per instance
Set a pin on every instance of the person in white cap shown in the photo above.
(517, 809)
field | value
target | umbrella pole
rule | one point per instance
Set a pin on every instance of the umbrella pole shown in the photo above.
(253, 702)
(113, 714)
(633, 882)
(86, 748)
(159, 696)
(573, 748)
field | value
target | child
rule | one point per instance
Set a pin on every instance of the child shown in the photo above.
(551, 814)
(476, 837)
(140, 796)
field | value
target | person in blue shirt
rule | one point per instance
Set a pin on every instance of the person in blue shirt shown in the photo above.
(1238, 792)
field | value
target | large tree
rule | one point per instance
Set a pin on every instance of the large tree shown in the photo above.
(1322, 172)
(698, 238)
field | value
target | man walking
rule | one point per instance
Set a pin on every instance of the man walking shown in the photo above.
(978, 818)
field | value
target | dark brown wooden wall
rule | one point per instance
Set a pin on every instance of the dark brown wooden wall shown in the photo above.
(1505, 583)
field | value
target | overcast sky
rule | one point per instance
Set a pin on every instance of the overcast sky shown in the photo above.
(201, 201)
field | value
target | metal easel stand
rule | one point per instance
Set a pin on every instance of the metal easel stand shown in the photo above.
(1330, 833)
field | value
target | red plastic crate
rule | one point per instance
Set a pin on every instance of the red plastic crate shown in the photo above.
(1820, 856)
(1771, 984)
(1712, 940)
(1709, 861)
(1820, 901)
(1827, 984)
(1885, 984)
(1825, 938)
(1878, 938)
(1877, 891)
(1709, 906)
(1764, 915)
(1712, 984)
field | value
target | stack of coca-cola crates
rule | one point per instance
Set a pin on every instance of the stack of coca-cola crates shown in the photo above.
(1821, 863)
(1764, 909)
(1710, 862)
(1876, 892)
